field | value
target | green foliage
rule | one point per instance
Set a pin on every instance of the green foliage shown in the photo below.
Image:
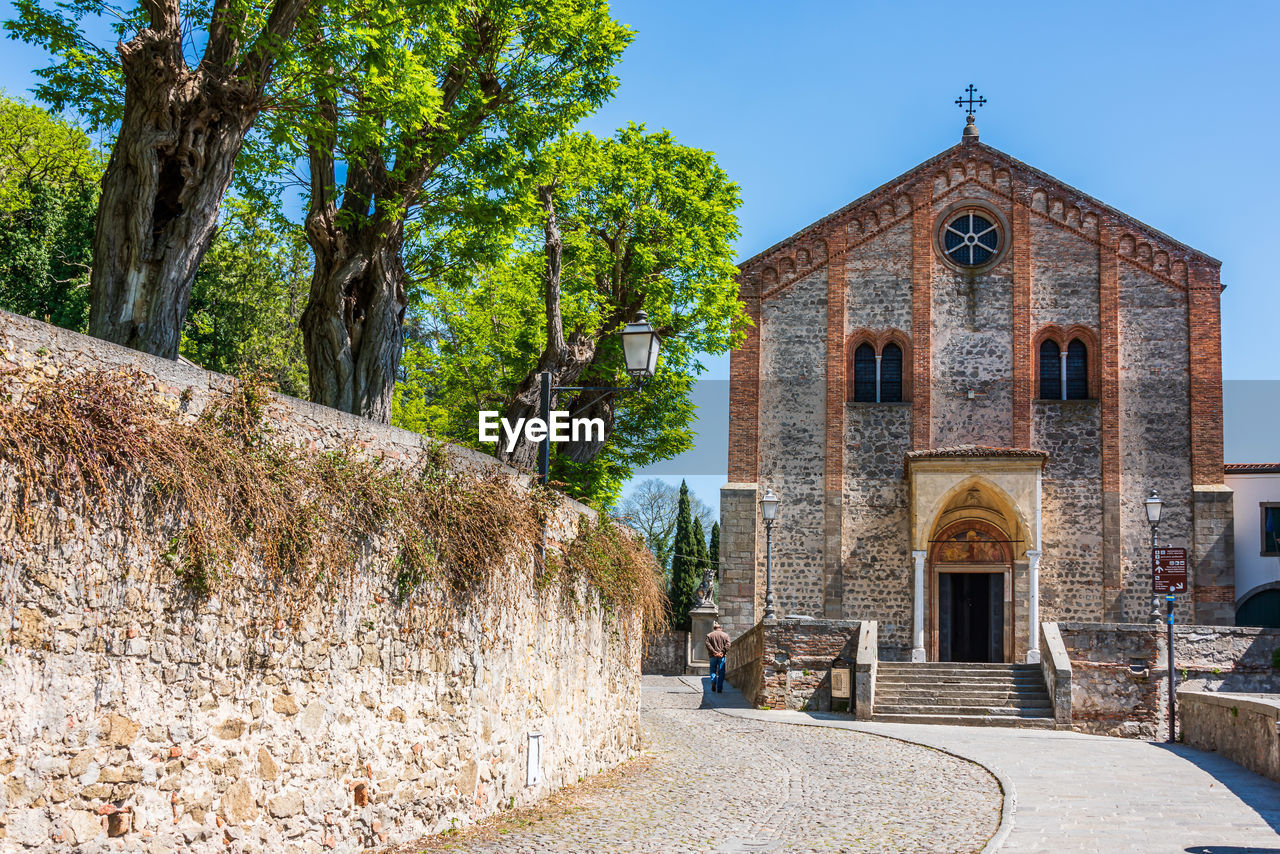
(248, 294)
(713, 550)
(1275, 657)
(646, 224)
(651, 509)
(49, 173)
(39, 149)
(686, 569)
(435, 109)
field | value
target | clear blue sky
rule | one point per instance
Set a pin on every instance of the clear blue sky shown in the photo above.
(1167, 111)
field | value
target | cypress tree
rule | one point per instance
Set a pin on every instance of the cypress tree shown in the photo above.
(685, 573)
(700, 542)
(713, 551)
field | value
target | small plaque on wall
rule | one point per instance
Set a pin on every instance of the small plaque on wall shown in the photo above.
(840, 683)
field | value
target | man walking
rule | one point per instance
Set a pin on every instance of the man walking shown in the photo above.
(717, 648)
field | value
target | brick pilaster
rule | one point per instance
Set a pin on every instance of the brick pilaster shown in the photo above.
(1023, 376)
(921, 318)
(1109, 322)
(744, 389)
(1204, 331)
(833, 522)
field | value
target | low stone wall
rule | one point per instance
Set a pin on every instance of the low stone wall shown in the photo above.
(665, 653)
(1120, 671)
(744, 665)
(134, 717)
(785, 664)
(1243, 728)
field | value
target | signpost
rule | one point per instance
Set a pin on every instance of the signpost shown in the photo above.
(1170, 568)
(1169, 576)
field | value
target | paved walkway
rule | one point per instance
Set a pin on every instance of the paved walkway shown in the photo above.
(718, 784)
(1081, 793)
(722, 777)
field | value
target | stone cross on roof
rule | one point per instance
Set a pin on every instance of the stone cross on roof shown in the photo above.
(969, 104)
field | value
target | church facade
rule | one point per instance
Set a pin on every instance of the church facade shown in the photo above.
(962, 387)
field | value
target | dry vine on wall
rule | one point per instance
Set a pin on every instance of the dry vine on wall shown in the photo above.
(241, 512)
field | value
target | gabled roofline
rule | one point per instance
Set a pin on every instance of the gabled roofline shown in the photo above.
(913, 174)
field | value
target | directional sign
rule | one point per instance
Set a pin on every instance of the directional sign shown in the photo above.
(1169, 568)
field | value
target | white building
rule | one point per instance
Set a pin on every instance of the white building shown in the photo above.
(1257, 542)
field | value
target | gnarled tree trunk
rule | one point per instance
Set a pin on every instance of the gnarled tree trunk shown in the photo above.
(353, 327)
(179, 136)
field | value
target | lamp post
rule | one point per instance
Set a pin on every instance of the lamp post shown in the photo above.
(769, 510)
(1153, 506)
(640, 345)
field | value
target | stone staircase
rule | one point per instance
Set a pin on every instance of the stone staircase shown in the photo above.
(962, 693)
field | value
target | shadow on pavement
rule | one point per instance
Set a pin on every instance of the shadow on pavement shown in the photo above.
(1262, 795)
(1229, 849)
(730, 698)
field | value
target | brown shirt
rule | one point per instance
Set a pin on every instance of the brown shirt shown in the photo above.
(718, 643)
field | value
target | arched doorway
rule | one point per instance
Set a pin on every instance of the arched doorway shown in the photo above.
(971, 581)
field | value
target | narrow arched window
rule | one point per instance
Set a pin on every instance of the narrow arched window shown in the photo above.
(864, 374)
(1077, 370)
(891, 374)
(1050, 370)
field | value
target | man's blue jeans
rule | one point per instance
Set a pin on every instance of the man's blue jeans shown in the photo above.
(717, 672)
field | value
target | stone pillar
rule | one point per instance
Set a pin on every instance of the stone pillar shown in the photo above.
(917, 611)
(1033, 607)
(1211, 558)
(740, 543)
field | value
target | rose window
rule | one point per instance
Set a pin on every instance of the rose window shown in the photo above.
(970, 239)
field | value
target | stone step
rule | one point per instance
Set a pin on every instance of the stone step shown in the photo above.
(934, 673)
(1019, 702)
(989, 665)
(992, 681)
(965, 720)
(928, 709)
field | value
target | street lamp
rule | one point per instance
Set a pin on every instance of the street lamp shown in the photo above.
(769, 510)
(640, 345)
(1154, 505)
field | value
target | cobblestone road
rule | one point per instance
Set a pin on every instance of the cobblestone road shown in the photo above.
(720, 784)
(1081, 794)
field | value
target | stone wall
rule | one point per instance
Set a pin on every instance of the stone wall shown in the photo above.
(1242, 728)
(665, 653)
(792, 439)
(796, 658)
(1071, 506)
(1120, 671)
(744, 665)
(134, 717)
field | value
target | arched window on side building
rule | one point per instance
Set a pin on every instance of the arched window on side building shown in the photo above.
(1050, 370)
(864, 374)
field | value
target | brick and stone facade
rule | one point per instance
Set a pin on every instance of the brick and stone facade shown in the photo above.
(882, 499)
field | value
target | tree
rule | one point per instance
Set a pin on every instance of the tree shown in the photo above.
(652, 508)
(247, 297)
(49, 171)
(39, 149)
(649, 226)
(181, 120)
(700, 552)
(713, 550)
(686, 574)
(417, 140)
(640, 222)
